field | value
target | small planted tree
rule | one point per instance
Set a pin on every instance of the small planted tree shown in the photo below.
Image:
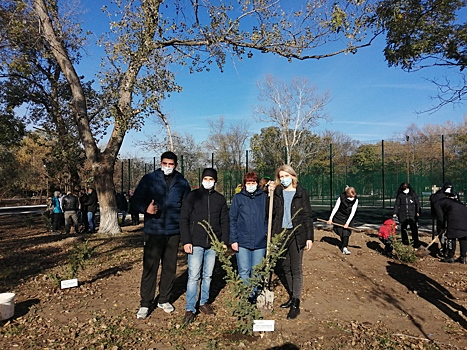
(240, 291)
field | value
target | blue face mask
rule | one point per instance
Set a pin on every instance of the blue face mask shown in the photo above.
(286, 181)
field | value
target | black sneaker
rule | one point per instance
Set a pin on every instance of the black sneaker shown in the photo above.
(448, 260)
(189, 317)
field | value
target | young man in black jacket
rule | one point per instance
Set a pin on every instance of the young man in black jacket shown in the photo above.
(70, 205)
(207, 204)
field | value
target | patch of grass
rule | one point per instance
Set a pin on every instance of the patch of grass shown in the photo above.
(12, 330)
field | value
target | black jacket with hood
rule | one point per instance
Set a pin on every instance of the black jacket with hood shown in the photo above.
(406, 206)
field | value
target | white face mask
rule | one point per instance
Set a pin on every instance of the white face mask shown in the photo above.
(350, 198)
(251, 188)
(167, 170)
(208, 184)
(406, 191)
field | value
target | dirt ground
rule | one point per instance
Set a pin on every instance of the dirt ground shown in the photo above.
(358, 301)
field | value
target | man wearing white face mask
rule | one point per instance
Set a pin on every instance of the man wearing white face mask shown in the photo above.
(407, 209)
(203, 204)
(159, 196)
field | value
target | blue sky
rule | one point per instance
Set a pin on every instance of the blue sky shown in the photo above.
(369, 100)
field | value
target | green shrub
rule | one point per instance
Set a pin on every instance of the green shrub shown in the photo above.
(404, 253)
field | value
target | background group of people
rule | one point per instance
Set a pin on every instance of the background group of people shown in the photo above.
(172, 213)
(449, 213)
(71, 210)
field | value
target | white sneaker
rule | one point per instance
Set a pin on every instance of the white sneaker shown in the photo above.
(142, 313)
(345, 251)
(167, 307)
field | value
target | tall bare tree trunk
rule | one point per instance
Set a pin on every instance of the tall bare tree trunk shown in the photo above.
(102, 162)
(103, 180)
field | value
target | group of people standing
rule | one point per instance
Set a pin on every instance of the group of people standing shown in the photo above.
(172, 213)
(71, 210)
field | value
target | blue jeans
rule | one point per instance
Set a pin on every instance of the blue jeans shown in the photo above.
(200, 258)
(92, 224)
(247, 259)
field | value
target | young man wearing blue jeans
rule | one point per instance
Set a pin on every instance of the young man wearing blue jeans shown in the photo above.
(203, 204)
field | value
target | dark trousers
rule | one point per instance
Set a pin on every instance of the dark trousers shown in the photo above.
(292, 269)
(413, 230)
(344, 235)
(56, 221)
(158, 249)
(451, 247)
(135, 219)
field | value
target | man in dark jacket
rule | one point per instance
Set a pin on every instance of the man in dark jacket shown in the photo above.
(159, 196)
(70, 205)
(83, 210)
(202, 204)
(453, 215)
(446, 190)
(407, 209)
(122, 205)
(91, 204)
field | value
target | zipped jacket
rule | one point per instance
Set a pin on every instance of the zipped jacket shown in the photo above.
(70, 203)
(248, 219)
(167, 196)
(406, 206)
(303, 221)
(200, 205)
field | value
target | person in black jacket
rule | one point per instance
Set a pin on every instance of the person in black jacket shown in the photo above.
(453, 215)
(83, 210)
(443, 192)
(122, 205)
(407, 209)
(343, 214)
(70, 205)
(203, 204)
(91, 204)
(289, 198)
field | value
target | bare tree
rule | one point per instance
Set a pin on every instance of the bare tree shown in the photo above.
(294, 107)
(227, 142)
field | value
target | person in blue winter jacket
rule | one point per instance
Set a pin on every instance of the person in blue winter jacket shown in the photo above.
(159, 197)
(248, 226)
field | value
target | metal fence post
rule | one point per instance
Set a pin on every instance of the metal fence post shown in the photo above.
(330, 175)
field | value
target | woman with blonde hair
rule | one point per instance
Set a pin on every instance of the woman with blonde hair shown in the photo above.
(343, 214)
(292, 212)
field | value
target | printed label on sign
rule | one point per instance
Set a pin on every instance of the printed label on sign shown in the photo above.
(69, 283)
(263, 325)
